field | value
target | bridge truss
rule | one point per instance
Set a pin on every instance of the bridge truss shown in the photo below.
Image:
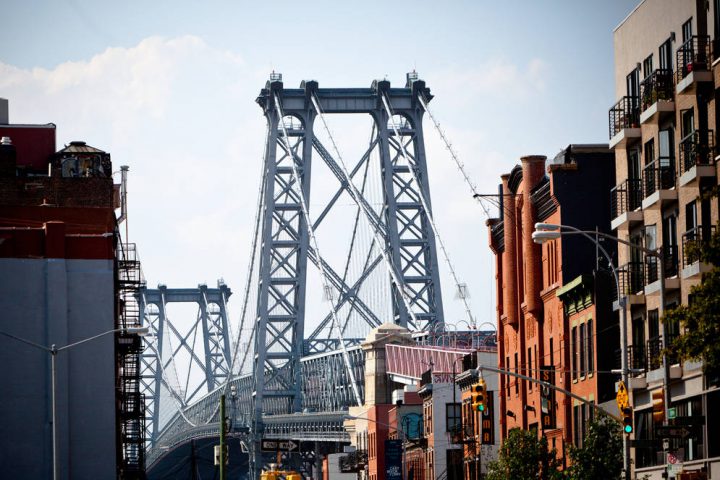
(204, 344)
(310, 367)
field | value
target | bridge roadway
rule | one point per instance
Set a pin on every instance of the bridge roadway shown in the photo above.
(200, 420)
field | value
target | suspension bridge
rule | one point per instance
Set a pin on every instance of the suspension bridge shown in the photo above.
(293, 365)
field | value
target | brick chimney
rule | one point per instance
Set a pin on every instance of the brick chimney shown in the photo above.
(533, 168)
(509, 260)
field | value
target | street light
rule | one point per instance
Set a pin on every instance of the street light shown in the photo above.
(53, 351)
(549, 231)
(546, 231)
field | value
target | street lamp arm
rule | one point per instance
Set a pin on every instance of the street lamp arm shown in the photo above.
(27, 342)
(131, 330)
(551, 226)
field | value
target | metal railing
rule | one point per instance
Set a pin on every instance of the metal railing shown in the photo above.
(694, 239)
(693, 55)
(630, 277)
(656, 86)
(652, 272)
(654, 352)
(636, 357)
(625, 197)
(624, 114)
(697, 149)
(658, 175)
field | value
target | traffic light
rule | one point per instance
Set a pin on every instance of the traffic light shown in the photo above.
(658, 405)
(627, 416)
(478, 396)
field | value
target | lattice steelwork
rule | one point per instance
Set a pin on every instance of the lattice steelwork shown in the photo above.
(168, 341)
(403, 246)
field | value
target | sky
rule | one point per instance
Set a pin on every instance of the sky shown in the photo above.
(169, 87)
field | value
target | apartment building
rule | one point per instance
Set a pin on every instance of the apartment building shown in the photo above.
(553, 308)
(662, 131)
(479, 433)
(64, 279)
(441, 417)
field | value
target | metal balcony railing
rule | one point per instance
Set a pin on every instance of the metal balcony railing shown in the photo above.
(636, 357)
(624, 114)
(694, 239)
(697, 149)
(654, 353)
(625, 197)
(658, 175)
(656, 86)
(630, 277)
(693, 55)
(652, 272)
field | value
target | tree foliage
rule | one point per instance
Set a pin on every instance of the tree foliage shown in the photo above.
(524, 456)
(700, 319)
(601, 454)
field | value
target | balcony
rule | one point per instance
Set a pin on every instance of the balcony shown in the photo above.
(624, 121)
(659, 182)
(657, 95)
(654, 353)
(636, 357)
(630, 278)
(693, 240)
(625, 200)
(693, 64)
(696, 156)
(652, 270)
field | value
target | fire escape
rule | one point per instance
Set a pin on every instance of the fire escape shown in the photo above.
(130, 404)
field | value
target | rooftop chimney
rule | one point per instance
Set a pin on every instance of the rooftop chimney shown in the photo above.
(4, 112)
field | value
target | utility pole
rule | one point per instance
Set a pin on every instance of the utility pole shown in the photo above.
(222, 437)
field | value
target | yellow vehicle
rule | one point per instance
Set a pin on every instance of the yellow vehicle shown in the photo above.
(280, 475)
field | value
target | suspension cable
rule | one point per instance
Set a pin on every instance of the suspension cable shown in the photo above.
(313, 239)
(396, 277)
(412, 166)
(456, 159)
(251, 268)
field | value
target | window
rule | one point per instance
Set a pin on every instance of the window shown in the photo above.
(452, 417)
(632, 82)
(687, 30)
(552, 353)
(637, 350)
(634, 170)
(582, 415)
(589, 347)
(665, 55)
(505, 377)
(713, 424)
(581, 354)
(648, 66)
(650, 237)
(574, 353)
(653, 324)
(688, 122)
(649, 151)
(529, 368)
(670, 245)
(690, 216)
(517, 367)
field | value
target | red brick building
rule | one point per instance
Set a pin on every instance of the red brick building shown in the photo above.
(535, 327)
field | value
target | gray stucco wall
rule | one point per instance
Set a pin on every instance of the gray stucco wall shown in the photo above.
(57, 301)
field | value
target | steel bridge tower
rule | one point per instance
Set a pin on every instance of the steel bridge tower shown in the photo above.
(157, 366)
(401, 226)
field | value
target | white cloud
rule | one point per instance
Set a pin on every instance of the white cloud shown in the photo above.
(181, 113)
